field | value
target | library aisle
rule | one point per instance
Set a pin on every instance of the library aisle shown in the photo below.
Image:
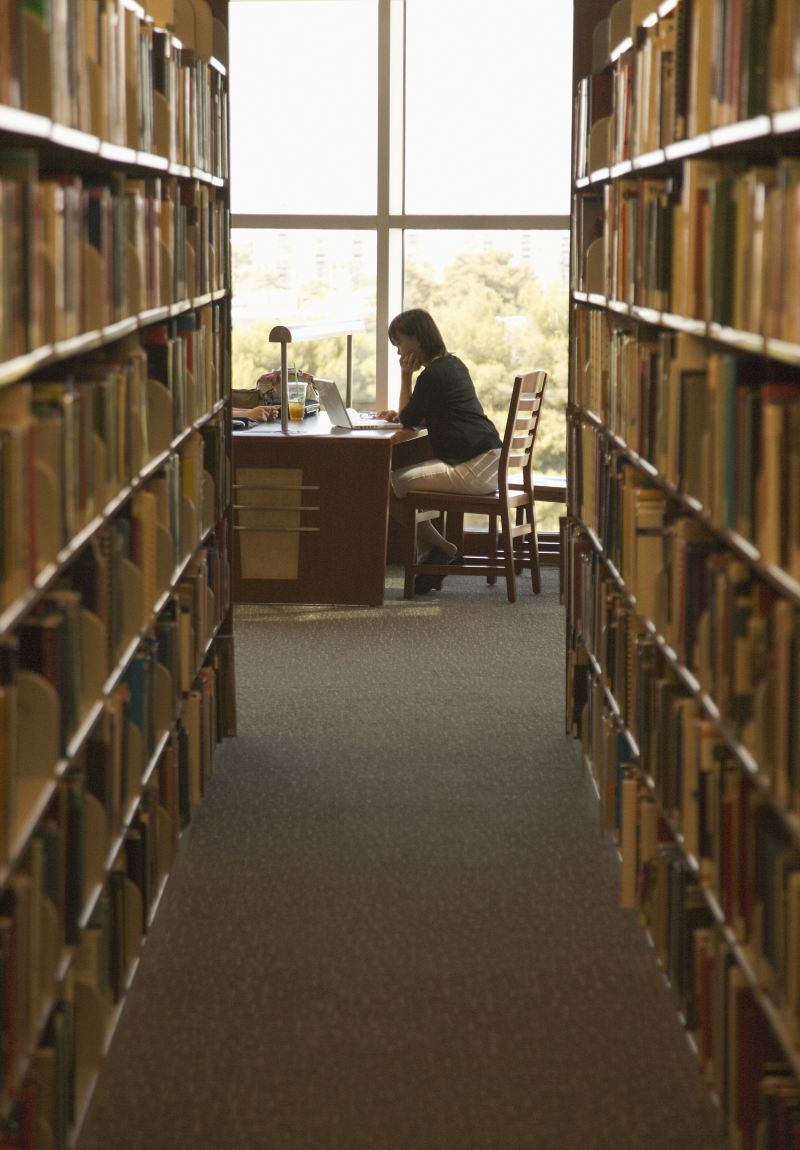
(395, 922)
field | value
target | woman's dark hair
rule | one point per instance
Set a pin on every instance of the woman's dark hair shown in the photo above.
(419, 323)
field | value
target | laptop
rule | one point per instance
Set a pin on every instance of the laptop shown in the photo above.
(348, 417)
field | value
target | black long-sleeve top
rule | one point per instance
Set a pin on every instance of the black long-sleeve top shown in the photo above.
(444, 401)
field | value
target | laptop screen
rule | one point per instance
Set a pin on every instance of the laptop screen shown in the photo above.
(331, 399)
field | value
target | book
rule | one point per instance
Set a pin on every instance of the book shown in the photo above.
(793, 953)
(755, 54)
(136, 867)
(21, 273)
(143, 543)
(701, 67)
(140, 680)
(10, 57)
(98, 279)
(9, 662)
(18, 560)
(648, 560)
(53, 240)
(751, 247)
(51, 511)
(66, 601)
(773, 495)
(43, 648)
(628, 841)
(687, 717)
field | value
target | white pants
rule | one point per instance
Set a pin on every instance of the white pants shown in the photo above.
(477, 476)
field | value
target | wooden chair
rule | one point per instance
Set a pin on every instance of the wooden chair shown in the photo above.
(518, 543)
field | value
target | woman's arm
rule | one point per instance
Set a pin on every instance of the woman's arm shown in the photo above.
(405, 386)
(406, 375)
(263, 413)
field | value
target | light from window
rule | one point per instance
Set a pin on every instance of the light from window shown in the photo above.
(303, 100)
(488, 107)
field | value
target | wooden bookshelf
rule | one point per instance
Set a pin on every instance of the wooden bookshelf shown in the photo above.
(116, 650)
(683, 533)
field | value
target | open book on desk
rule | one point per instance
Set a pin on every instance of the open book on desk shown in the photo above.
(347, 417)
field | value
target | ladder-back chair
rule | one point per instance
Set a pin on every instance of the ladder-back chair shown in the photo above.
(517, 546)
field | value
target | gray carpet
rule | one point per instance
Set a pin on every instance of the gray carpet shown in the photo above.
(393, 924)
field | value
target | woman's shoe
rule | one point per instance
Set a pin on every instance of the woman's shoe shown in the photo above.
(425, 583)
(439, 558)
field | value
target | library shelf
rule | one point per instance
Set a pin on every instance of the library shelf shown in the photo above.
(116, 649)
(683, 534)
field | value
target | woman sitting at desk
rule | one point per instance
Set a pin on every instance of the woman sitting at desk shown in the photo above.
(465, 442)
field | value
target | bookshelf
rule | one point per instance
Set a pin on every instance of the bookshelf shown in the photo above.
(683, 533)
(116, 651)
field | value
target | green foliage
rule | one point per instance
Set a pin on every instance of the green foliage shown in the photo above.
(249, 273)
(498, 319)
(253, 354)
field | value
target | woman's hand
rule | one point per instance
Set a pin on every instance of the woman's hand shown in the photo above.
(410, 361)
(263, 413)
(392, 415)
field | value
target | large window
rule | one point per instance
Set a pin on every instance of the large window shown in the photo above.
(398, 153)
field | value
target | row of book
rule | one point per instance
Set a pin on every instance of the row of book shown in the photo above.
(77, 256)
(728, 627)
(71, 921)
(746, 1059)
(712, 243)
(730, 830)
(116, 679)
(71, 445)
(105, 68)
(186, 356)
(96, 627)
(743, 1063)
(707, 862)
(723, 429)
(745, 859)
(701, 65)
(683, 572)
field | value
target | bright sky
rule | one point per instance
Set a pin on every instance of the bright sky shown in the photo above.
(488, 107)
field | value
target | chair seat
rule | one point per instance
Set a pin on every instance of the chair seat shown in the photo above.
(483, 504)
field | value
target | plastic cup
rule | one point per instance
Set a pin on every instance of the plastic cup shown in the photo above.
(296, 398)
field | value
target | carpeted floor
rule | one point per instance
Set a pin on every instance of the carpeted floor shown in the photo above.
(393, 924)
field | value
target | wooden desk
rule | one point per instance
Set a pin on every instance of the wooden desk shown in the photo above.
(311, 511)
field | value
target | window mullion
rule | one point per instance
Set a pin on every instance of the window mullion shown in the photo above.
(390, 178)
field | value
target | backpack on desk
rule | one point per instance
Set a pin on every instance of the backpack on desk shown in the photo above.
(267, 391)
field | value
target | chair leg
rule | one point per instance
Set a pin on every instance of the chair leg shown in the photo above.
(410, 552)
(491, 577)
(508, 548)
(454, 528)
(519, 543)
(533, 546)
